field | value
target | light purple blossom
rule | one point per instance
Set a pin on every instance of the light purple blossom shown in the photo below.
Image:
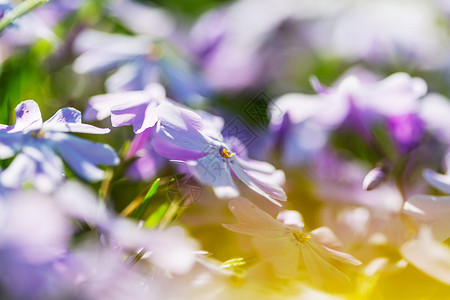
(139, 60)
(211, 160)
(357, 101)
(41, 144)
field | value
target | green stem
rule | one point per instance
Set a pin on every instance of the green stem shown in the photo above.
(20, 10)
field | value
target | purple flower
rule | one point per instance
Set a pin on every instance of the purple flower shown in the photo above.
(34, 236)
(407, 131)
(38, 145)
(136, 108)
(358, 102)
(139, 60)
(210, 159)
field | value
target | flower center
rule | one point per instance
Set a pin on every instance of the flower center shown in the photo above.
(155, 52)
(301, 237)
(225, 153)
(39, 134)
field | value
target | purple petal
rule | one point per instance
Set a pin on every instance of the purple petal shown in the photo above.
(37, 163)
(141, 116)
(144, 19)
(140, 141)
(68, 119)
(132, 76)
(103, 51)
(28, 116)
(10, 143)
(99, 107)
(213, 171)
(169, 150)
(181, 127)
(439, 181)
(83, 156)
(268, 190)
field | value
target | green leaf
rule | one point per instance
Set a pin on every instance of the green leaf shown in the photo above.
(139, 211)
(156, 217)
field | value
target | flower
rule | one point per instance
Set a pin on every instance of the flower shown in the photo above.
(210, 159)
(428, 255)
(432, 210)
(136, 108)
(140, 60)
(287, 247)
(358, 101)
(38, 145)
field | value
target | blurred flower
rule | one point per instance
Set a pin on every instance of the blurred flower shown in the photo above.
(39, 142)
(434, 111)
(356, 101)
(383, 31)
(428, 255)
(254, 38)
(34, 236)
(407, 131)
(36, 24)
(374, 178)
(288, 248)
(433, 210)
(140, 60)
(148, 162)
(211, 160)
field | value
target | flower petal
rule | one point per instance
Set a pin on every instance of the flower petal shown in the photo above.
(37, 163)
(10, 143)
(254, 221)
(141, 116)
(182, 127)
(338, 255)
(429, 256)
(28, 117)
(439, 181)
(268, 190)
(323, 273)
(83, 156)
(68, 119)
(99, 107)
(213, 171)
(282, 254)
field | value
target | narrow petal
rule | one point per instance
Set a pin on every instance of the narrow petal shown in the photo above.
(140, 116)
(429, 256)
(99, 107)
(324, 236)
(282, 254)
(68, 119)
(10, 143)
(140, 141)
(270, 191)
(427, 208)
(439, 181)
(213, 171)
(291, 217)
(182, 127)
(37, 163)
(28, 117)
(83, 156)
(323, 273)
(254, 221)
(256, 165)
(338, 255)
(169, 150)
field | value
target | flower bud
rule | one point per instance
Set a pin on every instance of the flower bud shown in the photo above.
(374, 178)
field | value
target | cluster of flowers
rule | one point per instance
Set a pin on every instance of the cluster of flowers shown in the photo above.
(351, 157)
